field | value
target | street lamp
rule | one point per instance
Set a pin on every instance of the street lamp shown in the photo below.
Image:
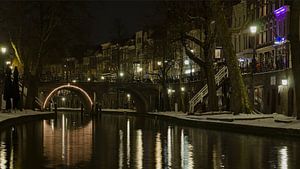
(3, 50)
(253, 30)
(159, 63)
(182, 89)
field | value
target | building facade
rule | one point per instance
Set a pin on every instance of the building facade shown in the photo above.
(260, 39)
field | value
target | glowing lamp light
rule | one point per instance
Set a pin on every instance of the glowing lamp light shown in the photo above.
(139, 69)
(8, 62)
(182, 89)
(253, 29)
(159, 63)
(121, 74)
(284, 82)
(74, 81)
(281, 11)
(3, 50)
(186, 62)
(88, 79)
(169, 91)
(192, 50)
(102, 77)
(128, 95)
(63, 99)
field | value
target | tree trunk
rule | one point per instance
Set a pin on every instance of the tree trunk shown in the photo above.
(165, 96)
(239, 97)
(295, 43)
(209, 71)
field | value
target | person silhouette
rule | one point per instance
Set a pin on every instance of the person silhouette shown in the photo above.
(15, 89)
(7, 89)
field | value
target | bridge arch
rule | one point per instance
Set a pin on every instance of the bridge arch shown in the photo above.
(87, 98)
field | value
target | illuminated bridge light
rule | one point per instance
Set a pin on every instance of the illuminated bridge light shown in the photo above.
(67, 86)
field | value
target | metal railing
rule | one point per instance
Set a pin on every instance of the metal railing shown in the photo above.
(222, 73)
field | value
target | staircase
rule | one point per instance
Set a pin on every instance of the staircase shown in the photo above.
(222, 73)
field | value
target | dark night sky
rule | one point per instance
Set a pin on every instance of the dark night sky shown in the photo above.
(133, 14)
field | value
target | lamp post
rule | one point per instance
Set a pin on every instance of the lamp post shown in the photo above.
(3, 52)
(253, 30)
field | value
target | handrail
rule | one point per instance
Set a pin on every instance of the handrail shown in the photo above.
(221, 74)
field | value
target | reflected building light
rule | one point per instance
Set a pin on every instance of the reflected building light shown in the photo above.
(63, 137)
(52, 124)
(11, 158)
(158, 152)
(3, 160)
(139, 149)
(128, 142)
(182, 155)
(121, 149)
(169, 145)
(283, 157)
(187, 159)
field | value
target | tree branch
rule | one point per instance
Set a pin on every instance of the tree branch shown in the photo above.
(193, 39)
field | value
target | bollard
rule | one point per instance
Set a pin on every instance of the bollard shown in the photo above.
(81, 108)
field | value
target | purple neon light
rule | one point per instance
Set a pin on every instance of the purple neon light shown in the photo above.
(281, 11)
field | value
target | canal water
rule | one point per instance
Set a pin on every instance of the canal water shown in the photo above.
(117, 141)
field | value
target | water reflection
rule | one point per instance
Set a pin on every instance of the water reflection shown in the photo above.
(283, 156)
(112, 141)
(187, 161)
(158, 152)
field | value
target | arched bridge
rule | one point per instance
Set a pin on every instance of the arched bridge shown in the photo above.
(145, 95)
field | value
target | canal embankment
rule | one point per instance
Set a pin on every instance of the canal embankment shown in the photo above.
(258, 124)
(18, 117)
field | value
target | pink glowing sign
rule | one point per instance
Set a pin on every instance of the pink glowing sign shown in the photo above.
(281, 11)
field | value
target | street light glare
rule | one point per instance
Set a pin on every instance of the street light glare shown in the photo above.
(182, 89)
(121, 74)
(3, 50)
(253, 29)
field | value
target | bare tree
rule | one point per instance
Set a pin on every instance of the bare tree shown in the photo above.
(239, 97)
(35, 30)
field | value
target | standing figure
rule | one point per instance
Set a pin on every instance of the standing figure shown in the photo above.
(15, 89)
(8, 89)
